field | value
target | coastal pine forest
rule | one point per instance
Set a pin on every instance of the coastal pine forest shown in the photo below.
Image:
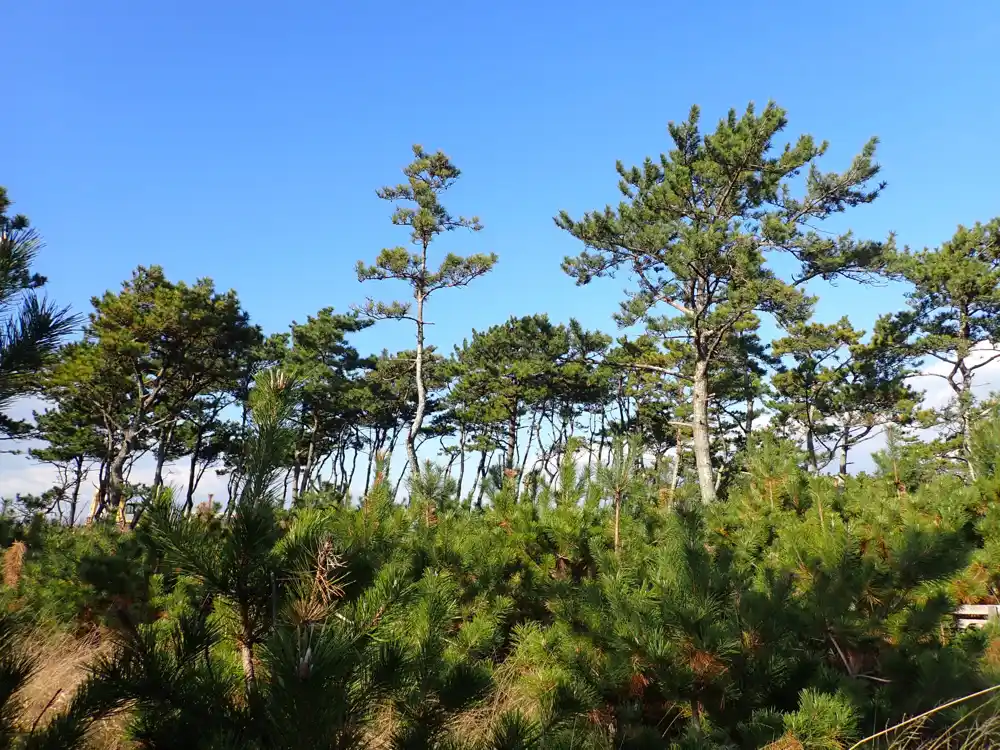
(721, 521)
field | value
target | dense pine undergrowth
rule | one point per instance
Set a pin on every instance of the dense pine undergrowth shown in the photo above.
(801, 611)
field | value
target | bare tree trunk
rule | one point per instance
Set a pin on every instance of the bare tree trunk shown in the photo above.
(116, 478)
(480, 473)
(600, 447)
(246, 657)
(95, 506)
(676, 471)
(811, 448)
(402, 474)
(618, 516)
(527, 453)
(511, 439)
(350, 478)
(189, 498)
(964, 410)
(166, 434)
(702, 441)
(418, 416)
(77, 481)
(590, 447)
(461, 459)
(843, 452)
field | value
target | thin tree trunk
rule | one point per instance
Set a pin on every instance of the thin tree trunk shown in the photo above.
(189, 498)
(964, 390)
(418, 417)
(527, 453)
(373, 449)
(480, 473)
(166, 435)
(402, 474)
(618, 516)
(350, 478)
(77, 481)
(843, 452)
(116, 478)
(296, 473)
(811, 450)
(600, 448)
(511, 439)
(964, 404)
(590, 447)
(95, 506)
(310, 458)
(702, 440)
(676, 472)
(725, 452)
(461, 459)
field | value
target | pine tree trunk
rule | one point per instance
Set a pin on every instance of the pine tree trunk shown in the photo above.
(511, 439)
(600, 447)
(527, 454)
(844, 448)
(246, 657)
(296, 473)
(676, 471)
(811, 450)
(95, 506)
(964, 407)
(964, 389)
(189, 498)
(77, 481)
(402, 474)
(702, 438)
(350, 477)
(161, 457)
(116, 478)
(418, 417)
(618, 516)
(461, 459)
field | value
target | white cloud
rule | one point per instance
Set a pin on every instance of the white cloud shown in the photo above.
(938, 393)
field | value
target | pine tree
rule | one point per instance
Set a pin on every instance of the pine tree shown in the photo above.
(428, 175)
(74, 443)
(838, 391)
(954, 314)
(697, 225)
(147, 353)
(330, 371)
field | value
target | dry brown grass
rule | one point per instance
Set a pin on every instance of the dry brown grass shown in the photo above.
(62, 661)
(13, 563)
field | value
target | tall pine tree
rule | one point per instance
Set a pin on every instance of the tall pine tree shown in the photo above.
(698, 224)
(427, 176)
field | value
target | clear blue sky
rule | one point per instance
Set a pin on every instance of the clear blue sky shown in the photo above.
(244, 140)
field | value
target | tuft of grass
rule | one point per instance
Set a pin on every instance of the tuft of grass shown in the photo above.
(977, 730)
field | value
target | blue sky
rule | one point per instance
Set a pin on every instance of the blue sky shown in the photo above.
(244, 140)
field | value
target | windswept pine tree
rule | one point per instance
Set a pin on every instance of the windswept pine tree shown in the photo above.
(428, 175)
(697, 226)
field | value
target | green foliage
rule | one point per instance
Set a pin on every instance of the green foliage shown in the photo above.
(588, 590)
(31, 326)
(697, 227)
